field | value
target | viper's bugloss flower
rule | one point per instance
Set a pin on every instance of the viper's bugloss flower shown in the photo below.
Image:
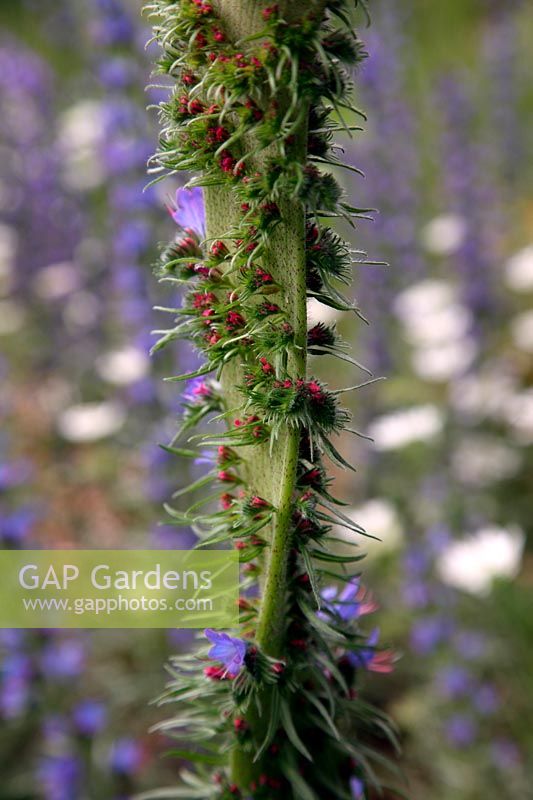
(228, 650)
(197, 390)
(353, 602)
(357, 788)
(89, 717)
(371, 659)
(188, 210)
(126, 756)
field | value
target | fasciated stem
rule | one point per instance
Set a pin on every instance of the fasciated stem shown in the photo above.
(270, 469)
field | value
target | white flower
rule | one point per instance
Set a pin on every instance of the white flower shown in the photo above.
(473, 563)
(444, 361)
(482, 460)
(522, 331)
(57, 280)
(88, 422)
(318, 312)
(444, 234)
(438, 325)
(82, 133)
(518, 414)
(122, 367)
(405, 426)
(424, 298)
(8, 249)
(81, 310)
(11, 317)
(519, 270)
(484, 395)
(379, 518)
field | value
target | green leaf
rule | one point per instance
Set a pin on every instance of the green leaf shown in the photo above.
(290, 730)
(273, 722)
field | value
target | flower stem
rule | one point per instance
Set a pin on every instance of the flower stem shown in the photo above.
(269, 470)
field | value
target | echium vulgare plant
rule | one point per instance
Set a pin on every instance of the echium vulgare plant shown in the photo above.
(273, 709)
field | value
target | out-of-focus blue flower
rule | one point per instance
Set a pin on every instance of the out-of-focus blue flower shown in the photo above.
(16, 675)
(486, 699)
(126, 756)
(15, 527)
(357, 788)
(453, 681)
(505, 754)
(228, 650)
(14, 473)
(63, 659)
(461, 730)
(371, 659)
(353, 602)
(427, 634)
(416, 594)
(89, 717)
(471, 645)
(117, 73)
(188, 211)
(59, 777)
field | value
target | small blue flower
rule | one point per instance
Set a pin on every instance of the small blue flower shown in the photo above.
(188, 211)
(353, 602)
(89, 717)
(357, 788)
(370, 658)
(461, 730)
(228, 650)
(126, 756)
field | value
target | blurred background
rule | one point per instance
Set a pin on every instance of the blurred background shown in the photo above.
(447, 482)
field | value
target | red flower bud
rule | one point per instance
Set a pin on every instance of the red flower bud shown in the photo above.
(226, 500)
(215, 673)
(218, 249)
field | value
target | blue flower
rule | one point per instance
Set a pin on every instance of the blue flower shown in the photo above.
(228, 650)
(126, 756)
(357, 788)
(188, 211)
(353, 602)
(370, 658)
(89, 717)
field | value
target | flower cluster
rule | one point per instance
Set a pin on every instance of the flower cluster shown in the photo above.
(250, 117)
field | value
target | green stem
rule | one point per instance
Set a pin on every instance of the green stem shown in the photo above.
(272, 475)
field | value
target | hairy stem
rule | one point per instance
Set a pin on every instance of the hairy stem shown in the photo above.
(269, 471)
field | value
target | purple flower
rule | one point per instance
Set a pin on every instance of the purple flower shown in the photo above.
(126, 756)
(486, 699)
(188, 210)
(471, 645)
(453, 681)
(18, 524)
(357, 788)
(228, 650)
(427, 634)
(14, 693)
(197, 391)
(371, 659)
(14, 474)
(89, 717)
(59, 777)
(353, 602)
(416, 594)
(63, 659)
(506, 754)
(461, 730)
